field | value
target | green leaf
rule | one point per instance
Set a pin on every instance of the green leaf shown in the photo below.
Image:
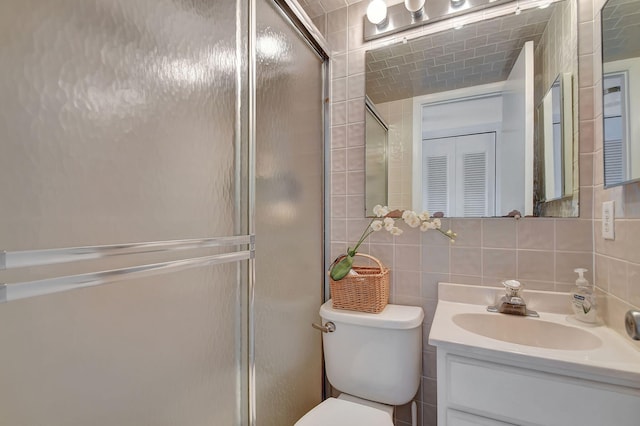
(342, 268)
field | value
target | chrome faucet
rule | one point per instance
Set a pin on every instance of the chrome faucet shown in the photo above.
(512, 302)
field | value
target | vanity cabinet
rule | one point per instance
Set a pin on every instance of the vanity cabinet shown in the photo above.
(478, 389)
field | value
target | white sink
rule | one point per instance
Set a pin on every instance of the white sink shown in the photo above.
(527, 331)
(555, 341)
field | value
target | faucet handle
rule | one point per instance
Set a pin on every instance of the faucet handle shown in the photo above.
(512, 287)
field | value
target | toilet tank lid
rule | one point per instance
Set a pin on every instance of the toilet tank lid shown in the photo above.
(392, 316)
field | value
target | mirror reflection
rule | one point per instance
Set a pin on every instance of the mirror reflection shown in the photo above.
(554, 131)
(463, 134)
(621, 90)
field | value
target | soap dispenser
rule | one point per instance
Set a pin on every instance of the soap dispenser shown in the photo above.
(583, 299)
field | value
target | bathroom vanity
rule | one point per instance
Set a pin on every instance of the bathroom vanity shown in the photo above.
(497, 369)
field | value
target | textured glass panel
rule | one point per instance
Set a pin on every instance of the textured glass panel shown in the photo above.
(156, 351)
(117, 124)
(288, 221)
(117, 121)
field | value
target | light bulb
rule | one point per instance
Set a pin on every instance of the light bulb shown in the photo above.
(413, 5)
(377, 12)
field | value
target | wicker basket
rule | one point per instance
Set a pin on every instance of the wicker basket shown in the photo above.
(366, 292)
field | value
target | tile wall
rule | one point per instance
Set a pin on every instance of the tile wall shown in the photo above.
(617, 262)
(540, 252)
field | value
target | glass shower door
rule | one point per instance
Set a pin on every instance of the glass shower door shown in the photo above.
(120, 138)
(289, 216)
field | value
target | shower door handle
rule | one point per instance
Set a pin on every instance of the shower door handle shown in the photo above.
(328, 327)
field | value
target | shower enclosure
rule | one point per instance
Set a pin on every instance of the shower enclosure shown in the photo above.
(161, 212)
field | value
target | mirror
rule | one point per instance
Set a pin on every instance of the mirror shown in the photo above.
(460, 105)
(554, 130)
(376, 134)
(621, 91)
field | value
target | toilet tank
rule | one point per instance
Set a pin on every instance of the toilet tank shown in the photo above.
(374, 356)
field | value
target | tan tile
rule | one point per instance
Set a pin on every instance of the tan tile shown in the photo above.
(586, 169)
(356, 62)
(355, 228)
(536, 233)
(355, 182)
(598, 168)
(469, 232)
(633, 271)
(466, 261)
(574, 235)
(618, 279)
(339, 206)
(538, 285)
(407, 257)
(355, 206)
(435, 259)
(586, 102)
(585, 38)
(339, 66)
(498, 263)
(586, 133)
(430, 284)
(337, 20)
(338, 160)
(602, 272)
(338, 113)
(536, 265)
(499, 233)
(356, 86)
(355, 134)
(384, 253)
(566, 262)
(338, 230)
(429, 391)
(338, 137)
(631, 240)
(467, 279)
(355, 158)
(339, 90)
(586, 202)
(407, 283)
(429, 364)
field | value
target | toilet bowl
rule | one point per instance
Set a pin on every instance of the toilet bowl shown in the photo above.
(362, 360)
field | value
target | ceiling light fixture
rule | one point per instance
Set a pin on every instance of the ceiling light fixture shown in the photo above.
(377, 12)
(416, 7)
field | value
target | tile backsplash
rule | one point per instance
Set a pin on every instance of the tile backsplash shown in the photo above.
(541, 252)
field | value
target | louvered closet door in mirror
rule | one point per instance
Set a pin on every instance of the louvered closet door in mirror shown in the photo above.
(459, 175)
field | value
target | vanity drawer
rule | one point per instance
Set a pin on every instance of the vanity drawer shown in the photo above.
(528, 397)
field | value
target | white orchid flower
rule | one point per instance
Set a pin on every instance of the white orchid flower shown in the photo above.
(425, 226)
(406, 214)
(424, 215)
(413, 220)
(377, 225)
(389, 223)
(437, 223)
(380, 211)
(395, 231)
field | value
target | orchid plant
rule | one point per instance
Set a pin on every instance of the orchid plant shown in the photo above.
(385, 219)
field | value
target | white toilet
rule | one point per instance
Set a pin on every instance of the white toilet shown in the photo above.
(374, 360)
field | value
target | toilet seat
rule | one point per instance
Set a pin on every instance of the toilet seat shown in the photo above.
(339, 412)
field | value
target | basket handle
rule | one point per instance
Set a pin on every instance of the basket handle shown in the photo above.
(375, 259)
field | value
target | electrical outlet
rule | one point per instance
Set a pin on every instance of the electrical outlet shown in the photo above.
(608, 216)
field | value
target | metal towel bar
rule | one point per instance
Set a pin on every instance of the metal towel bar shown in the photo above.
(15, 291)
(21, 259)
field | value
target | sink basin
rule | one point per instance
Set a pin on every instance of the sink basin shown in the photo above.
(527, 331)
